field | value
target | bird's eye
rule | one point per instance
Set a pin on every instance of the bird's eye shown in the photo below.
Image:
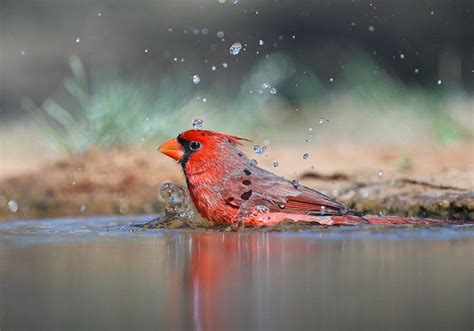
(194, 145)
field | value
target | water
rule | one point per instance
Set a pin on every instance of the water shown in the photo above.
(95, 273)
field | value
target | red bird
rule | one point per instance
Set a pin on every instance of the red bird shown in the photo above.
(228, 188)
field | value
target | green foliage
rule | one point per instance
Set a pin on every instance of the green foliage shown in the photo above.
(114, 113)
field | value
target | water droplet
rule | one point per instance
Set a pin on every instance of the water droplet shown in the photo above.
(416, 70)
(262, 209)
(170, 29)
(273, 90)
(343, 209)
(221, 1)
(266, 86)
(260, 91)
(235, 2)
(196, 31)
(305, 156)
(439, 82)
(78, 40)
(431, 13)
(204, 31)
(146, 50)
(295, 183)
(331, 79)
(266, 142)
(204, 99)
(83, 208)
(220, 34)
(22, 52)
(402, 56)
(147, 118)
(322, 210)
(235, 48)
(259, 149)
(253, 162)
(198, 124)
(381, 214)
(13, 206)
(322, 120)
(275, 164)
(380, 173)
(260, 42)
(99, 14)
(196, 79)
(224, 65)
(371, 28)
(310, 129)
(213, 68)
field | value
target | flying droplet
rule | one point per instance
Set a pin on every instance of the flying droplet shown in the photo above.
(381, 214)
(253, 162)
(83, 208)
(322, 210)
(371, 28)
(402, 56)
(273, 90)
(235, 48)
(262, 209)
(196, 31)
(266, 142)
(220, 34)
(196, 79)
(146, 50)
(224, 65)
(275, 164)
(295, 183)
(331, 79)
(439, 82)
(259, 149)
(13, 206)
(78, 40)
(198, 124)
(204, 31)
(260, 42)
(416, 70)
(305, 156)
(380, 173)
(235, 2)
(213, 68)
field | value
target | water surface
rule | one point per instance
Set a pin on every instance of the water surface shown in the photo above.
(94, 273)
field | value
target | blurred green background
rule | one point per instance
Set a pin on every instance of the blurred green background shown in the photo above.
(103, 73)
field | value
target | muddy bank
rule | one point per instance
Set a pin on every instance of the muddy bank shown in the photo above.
(125, 181)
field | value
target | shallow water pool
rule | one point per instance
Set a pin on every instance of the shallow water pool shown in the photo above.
(95, 273)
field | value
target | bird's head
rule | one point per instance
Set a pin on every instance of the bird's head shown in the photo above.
(199, 146)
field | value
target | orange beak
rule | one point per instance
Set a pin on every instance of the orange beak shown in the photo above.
(173, 149)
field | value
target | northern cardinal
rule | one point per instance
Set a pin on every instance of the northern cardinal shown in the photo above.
(229, 188)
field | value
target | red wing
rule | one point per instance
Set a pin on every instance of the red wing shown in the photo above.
(278, 194)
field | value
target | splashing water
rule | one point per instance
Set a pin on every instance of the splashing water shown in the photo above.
(259, 149)
(13, 206)
(198, 124)
(235, 48)
(178, 203)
